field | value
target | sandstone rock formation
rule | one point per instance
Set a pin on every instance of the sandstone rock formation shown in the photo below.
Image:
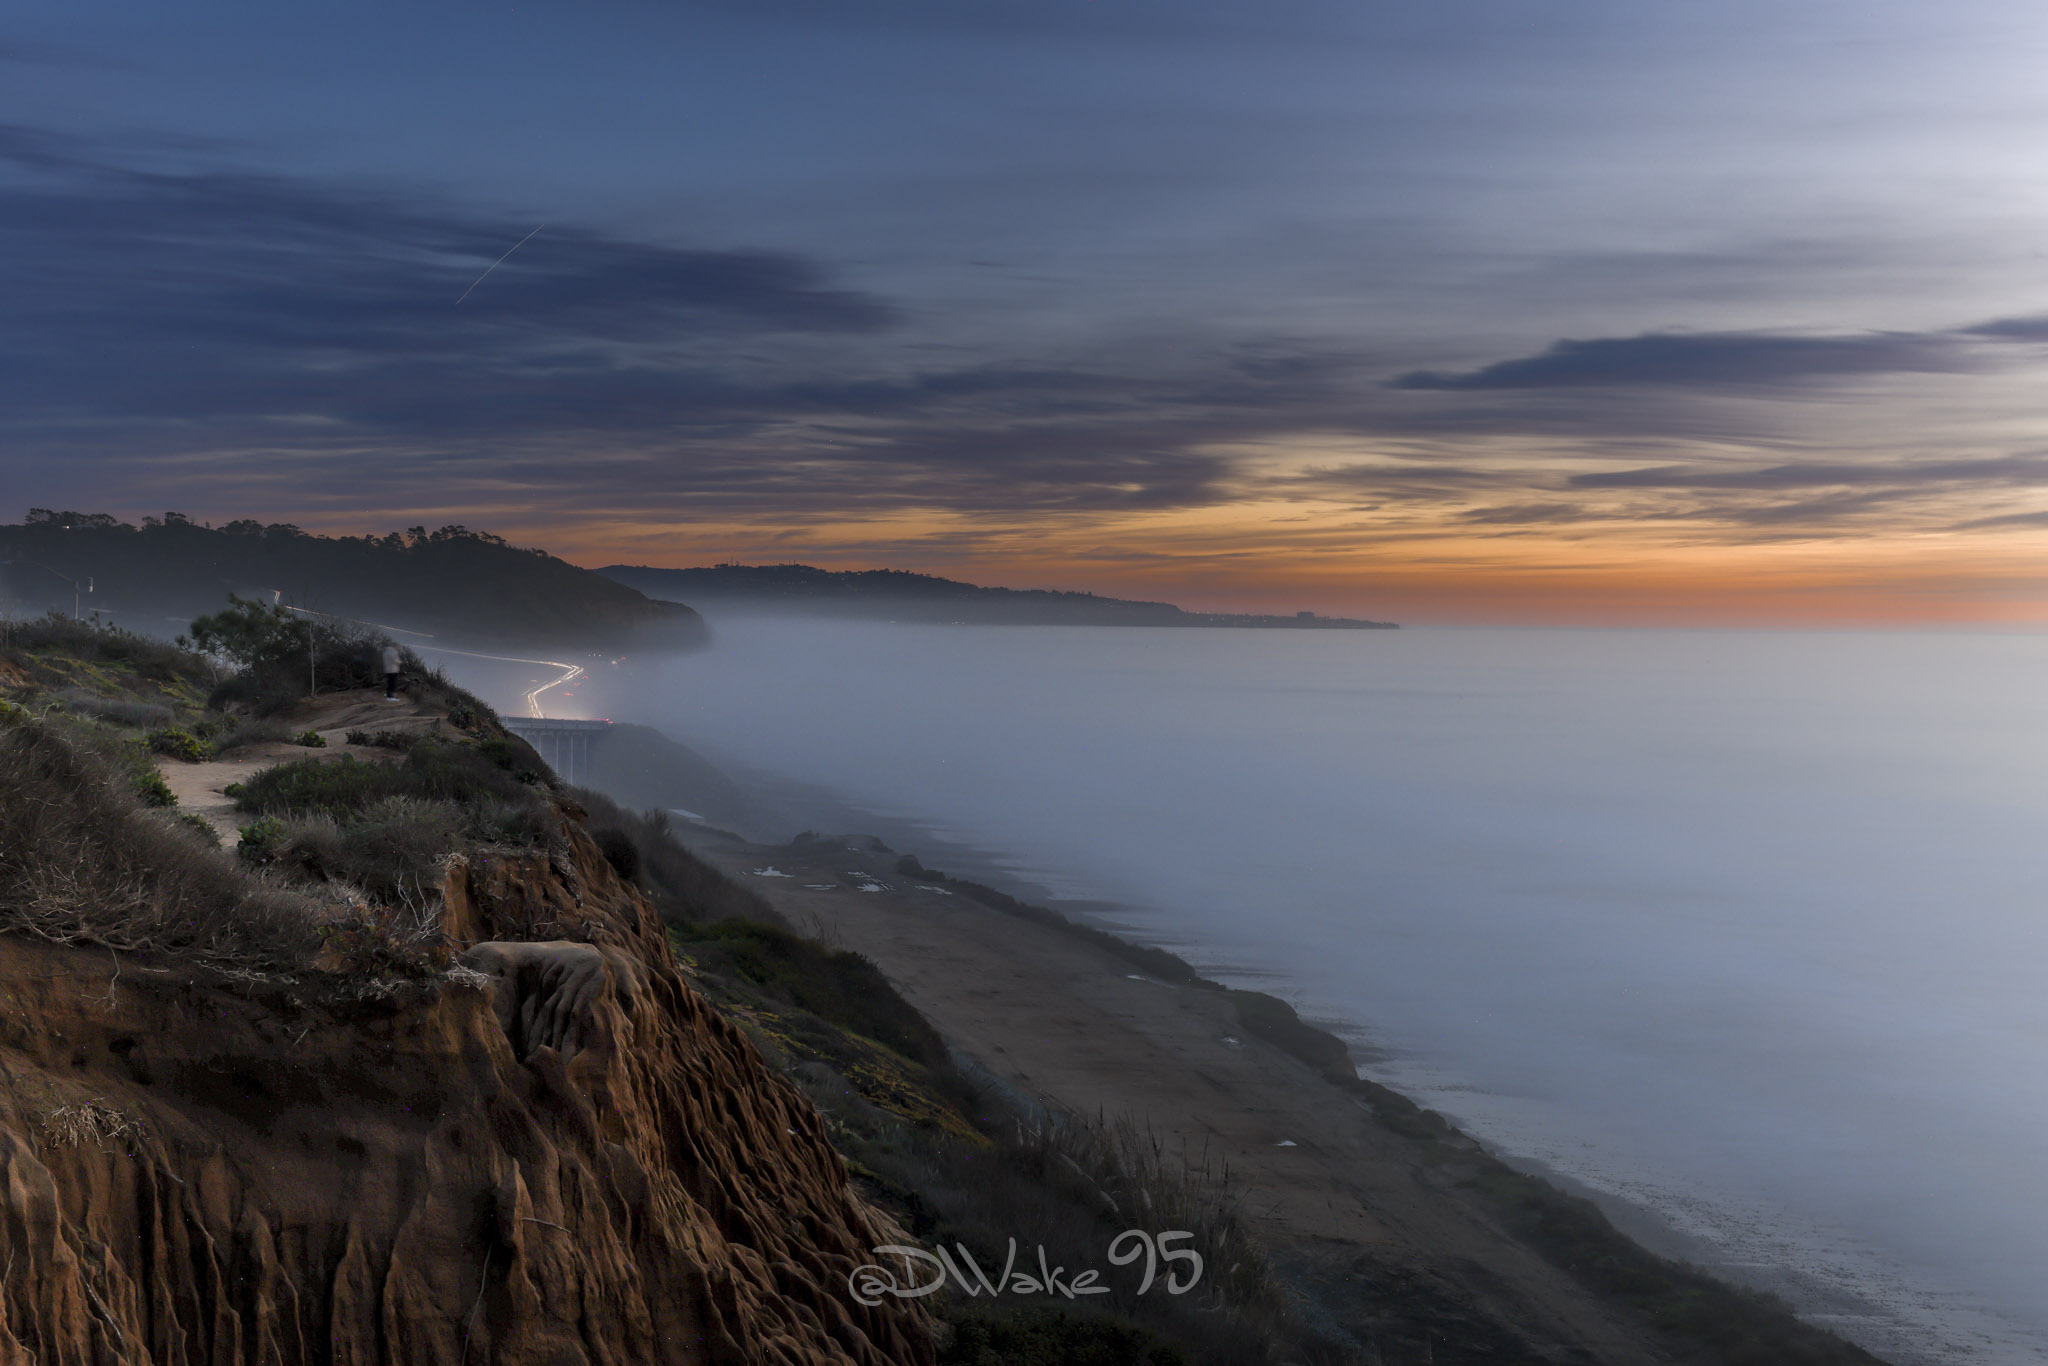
(556, 1153)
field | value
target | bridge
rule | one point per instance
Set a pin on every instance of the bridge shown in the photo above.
(565, 745)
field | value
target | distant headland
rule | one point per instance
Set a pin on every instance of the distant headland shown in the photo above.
(899, 595)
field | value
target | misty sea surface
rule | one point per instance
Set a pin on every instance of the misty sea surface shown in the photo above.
(1747, 929)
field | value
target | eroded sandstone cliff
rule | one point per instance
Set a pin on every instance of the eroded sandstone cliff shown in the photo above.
(555, 1153)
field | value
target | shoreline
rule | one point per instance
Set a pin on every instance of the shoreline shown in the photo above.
(1903, 1314)
(1360, 1208)
(786, 804)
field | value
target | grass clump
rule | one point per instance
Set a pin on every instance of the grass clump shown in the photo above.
(393, 850)
(347, 786)
(81, 861)
(387, 828)
(177, 743)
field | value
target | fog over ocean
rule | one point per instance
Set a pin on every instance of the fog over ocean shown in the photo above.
(1748, 927)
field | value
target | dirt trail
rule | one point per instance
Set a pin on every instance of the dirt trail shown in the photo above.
(201, 788)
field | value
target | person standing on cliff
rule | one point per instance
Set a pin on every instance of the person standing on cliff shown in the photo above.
(391, 665)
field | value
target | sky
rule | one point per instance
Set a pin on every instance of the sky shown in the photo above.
(1655, 312)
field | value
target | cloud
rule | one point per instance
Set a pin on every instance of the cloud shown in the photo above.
(2011, 519)
(1524, 514)
(1700, 359)
(270, 342)
(2011, 469)
(2033, 329)
(1810, 512)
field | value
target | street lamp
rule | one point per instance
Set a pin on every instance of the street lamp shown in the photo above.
(75, 589)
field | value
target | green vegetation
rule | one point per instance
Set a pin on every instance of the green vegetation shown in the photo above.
(280, 656)
(341, 831)
(54, 652)
(310, 739)
(387, 828)
(469, 775)
(82, 861)
(126, 712)
(178, 744)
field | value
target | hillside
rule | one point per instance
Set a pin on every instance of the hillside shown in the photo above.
(897, 595)
(283, 1117)
(454, 584)
(439, 1061)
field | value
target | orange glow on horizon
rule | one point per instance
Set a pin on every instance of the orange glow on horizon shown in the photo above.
(1415, 564)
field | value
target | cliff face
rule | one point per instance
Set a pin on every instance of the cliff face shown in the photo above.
(555, 1154)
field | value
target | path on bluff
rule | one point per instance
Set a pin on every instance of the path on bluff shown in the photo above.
(200, 788)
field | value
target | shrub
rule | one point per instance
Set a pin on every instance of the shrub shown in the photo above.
(490, 804)
(377, 941)
(153, 790)
(283, 654)
(178, 744)
(261, 840)
(311, 739)
(392, 851)
(81, 862)
(510, 822)
(12, 713)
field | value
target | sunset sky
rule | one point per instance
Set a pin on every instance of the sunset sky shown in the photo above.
(1718, 311)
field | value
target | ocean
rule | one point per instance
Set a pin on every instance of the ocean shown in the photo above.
(1748, 930)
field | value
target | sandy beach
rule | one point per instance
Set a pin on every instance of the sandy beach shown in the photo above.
(1377, 1228)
